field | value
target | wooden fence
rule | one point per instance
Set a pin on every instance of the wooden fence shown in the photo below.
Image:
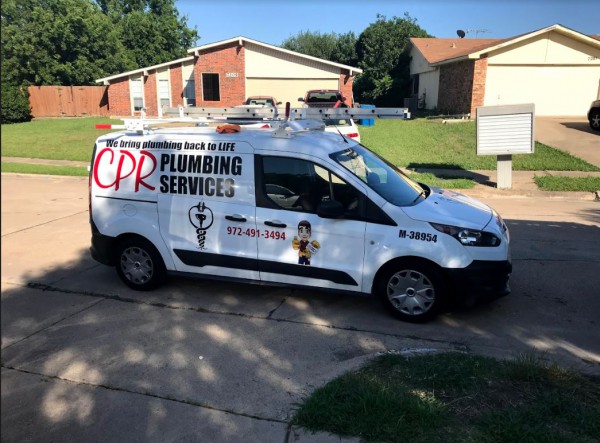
(68, 101)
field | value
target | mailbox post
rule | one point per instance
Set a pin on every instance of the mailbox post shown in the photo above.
(503, 131)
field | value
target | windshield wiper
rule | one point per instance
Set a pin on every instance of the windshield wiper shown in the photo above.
(421, 194)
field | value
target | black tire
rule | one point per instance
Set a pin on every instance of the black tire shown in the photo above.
(595, 119)
(139, 264)
(413, 291)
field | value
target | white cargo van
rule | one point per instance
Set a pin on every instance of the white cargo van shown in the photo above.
(292, 205)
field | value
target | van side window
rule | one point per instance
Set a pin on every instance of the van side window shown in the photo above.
(299, 185)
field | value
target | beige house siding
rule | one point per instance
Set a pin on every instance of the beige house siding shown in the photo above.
(557, 73)
(262, 62)
(187, 70)
(287, 90)
(429, 84)
(429, 78)
(551, 48)
(285, 76)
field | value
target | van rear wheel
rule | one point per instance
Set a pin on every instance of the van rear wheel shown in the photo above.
(139, 264)
(413, 291)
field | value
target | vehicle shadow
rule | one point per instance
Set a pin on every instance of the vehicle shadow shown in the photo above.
(451, 171)
(580, 126)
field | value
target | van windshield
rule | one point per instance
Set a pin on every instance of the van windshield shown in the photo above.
(381, 176)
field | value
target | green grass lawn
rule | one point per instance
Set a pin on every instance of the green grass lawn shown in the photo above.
(423, 143)
(419, 143)
(455, 397)
(53, 139)
(25, 168)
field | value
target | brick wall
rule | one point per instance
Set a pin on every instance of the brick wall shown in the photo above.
(150, 94)
(176, 86)
(221, 61)
(479, 76)
(119, 103)
(346, 88)
(456, 87)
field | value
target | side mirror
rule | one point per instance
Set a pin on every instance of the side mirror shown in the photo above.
(278, 103)
(330, 209)
(300, 99)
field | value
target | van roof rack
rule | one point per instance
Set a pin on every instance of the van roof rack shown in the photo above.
(201, 116)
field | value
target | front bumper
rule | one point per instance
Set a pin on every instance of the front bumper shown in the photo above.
(480, 282)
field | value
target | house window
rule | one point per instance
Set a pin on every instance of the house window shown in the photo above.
(210, 87)
(137, 94)
(189, 93)
(415, 84)
(163, 93)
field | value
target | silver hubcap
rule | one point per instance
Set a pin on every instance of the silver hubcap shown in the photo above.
(596, 120)
(137, 265)
(410, 292)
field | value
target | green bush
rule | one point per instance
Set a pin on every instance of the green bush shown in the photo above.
(15, 104)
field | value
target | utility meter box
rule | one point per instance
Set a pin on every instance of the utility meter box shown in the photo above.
(505, 130)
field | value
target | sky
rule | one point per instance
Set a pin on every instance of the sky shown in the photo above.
(272, 22)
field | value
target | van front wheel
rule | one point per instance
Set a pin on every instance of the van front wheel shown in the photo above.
(413, 291)
(139, 264)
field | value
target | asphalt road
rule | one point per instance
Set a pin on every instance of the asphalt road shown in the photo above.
(84, 357)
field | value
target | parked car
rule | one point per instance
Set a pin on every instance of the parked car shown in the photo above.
(256, 101)
(594, 115)
(344, 126)
(323, 98)
(261, 101)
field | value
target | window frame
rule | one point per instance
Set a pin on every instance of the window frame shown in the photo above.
(167, 97)
(132, 81)
(367, 211)
(210, 87)
(189, 93)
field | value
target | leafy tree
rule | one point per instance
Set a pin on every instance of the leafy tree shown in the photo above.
(74, 42)
(58, 42)
(382, 50)
(338, 48)
(151, 30)
(15, 104)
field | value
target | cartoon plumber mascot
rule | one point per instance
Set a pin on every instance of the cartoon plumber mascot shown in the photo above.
(305, 248)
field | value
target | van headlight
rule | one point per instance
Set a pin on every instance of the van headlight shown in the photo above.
(469, 237)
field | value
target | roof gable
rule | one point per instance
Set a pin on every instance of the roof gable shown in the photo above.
(448, 50)
(241, 39)
(439, 49)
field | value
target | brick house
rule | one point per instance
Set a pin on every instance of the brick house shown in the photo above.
(555, 68)
(223, 74)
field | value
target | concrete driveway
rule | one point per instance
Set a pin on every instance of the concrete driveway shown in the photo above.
(570, 134)
(85, 358)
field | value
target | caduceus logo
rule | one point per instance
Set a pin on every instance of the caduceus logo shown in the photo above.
(201, 217)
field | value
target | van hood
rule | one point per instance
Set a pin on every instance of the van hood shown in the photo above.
(451, 208)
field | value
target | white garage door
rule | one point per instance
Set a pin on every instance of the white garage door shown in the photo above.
(287, 90)
(555, 90)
